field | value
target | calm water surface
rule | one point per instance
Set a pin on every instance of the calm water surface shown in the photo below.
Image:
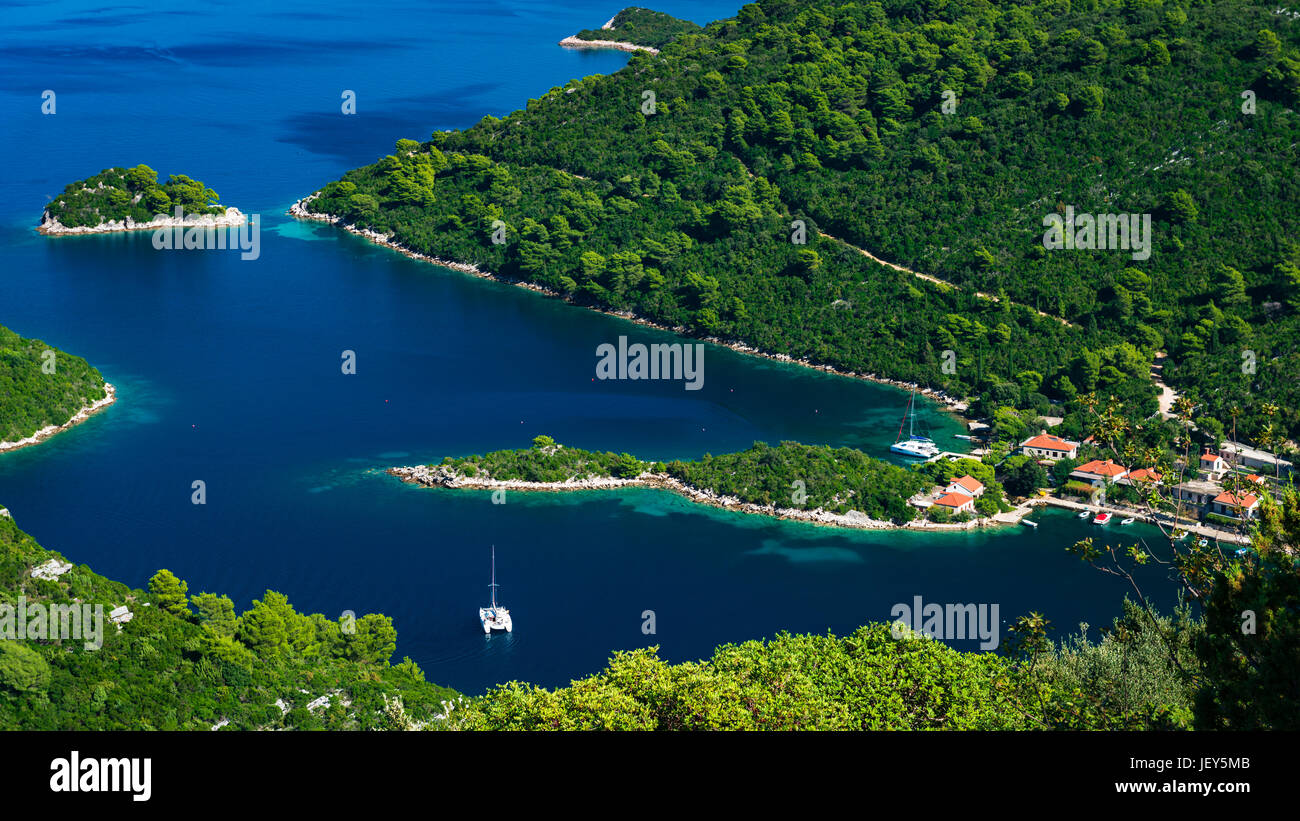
(228, 371)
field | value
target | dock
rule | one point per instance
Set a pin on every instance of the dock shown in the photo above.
(1124, 513)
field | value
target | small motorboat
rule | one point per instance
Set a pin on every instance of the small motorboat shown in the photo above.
(1028, 523)
(1083, 514)
(1203, 542)
(1130, 520)
(1102, 518)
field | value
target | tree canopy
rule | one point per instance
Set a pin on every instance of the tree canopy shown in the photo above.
(38, 389)
(730, 184)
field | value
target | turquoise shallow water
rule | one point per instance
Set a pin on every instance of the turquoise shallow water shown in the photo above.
(229, 370)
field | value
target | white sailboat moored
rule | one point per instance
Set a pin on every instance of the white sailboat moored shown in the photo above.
(918, 447)
(494, 617)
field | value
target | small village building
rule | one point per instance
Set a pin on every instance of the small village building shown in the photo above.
(1238, 506)
(1049, 446)
(1199, 494)
(1098, 473)
(967, 485)
(1213, 466)
(1248, 457)
(1141, 476)
(956, 503)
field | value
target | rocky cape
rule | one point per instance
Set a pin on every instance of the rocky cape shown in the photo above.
(233, 216)
(110, 396)
(441, 476)
(574, 42)
(955, 404)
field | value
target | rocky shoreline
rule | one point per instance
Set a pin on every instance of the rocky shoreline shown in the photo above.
(52, 227)
(439, 476)
(110, 396)
(574, 42)
(954, 404)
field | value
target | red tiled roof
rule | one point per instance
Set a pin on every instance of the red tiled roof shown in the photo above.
(1247, 500)
(969, 482)
(953, 500)
(1099, 468)
(1047, 441)
(1144, 475)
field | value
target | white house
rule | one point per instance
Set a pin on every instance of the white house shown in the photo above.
(1098, 473)
(967, 485)
(1246, 456)
(1213, 466)
(956, 502)
(1241, 506)
(1049, 446)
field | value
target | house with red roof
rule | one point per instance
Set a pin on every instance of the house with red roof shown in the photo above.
(1213, 466)
(1098, 473)
(956, 502)
(1146, 476)
(967, 485)
(1049, 446)
(1236, 505)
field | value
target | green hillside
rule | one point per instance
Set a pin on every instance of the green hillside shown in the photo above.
(670, 187)
(189, 662)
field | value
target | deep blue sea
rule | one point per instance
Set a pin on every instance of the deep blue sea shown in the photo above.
(229, 371)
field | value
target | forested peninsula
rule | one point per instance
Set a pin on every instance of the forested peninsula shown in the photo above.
(865, 185)
(132, 199)
(44, 390)
(819, 484)
(634, 29)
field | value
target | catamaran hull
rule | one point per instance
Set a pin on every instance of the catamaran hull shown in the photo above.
(916, 452)
(497, 621)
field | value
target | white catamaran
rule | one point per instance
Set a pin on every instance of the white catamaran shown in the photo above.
(494, 617)
(918, 447)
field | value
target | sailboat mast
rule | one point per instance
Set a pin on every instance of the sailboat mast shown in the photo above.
(494, 577)
(906, 412)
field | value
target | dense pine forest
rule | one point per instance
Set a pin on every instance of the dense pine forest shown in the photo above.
(725, 185)
(786, 475)
(189, 662)
(39, 389)
(117, 193)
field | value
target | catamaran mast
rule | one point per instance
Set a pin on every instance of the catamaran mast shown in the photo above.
(494, 577)
(906, 415)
